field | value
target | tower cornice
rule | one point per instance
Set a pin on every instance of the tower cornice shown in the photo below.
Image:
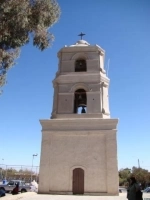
(81, 49)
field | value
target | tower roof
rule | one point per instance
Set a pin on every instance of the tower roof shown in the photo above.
(80, 43)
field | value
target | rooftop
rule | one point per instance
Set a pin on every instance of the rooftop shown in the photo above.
(80, 43)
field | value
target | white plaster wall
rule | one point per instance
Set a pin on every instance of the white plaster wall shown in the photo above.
(111, 150)
(55, 99)
(93, 65)
(68, 66)
(105, 99)
(93, 55)
(68, 151)
(65, 56)
(44, 178)
(94, 87)
(69, 143)
(78, 77)
(65, 103)
(101, 61)
(65, 88)
(93, 102)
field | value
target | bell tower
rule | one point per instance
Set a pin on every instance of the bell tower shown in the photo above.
(81, 82)
(79, 148)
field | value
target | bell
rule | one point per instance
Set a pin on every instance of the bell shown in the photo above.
(83, 110)
(80, 97)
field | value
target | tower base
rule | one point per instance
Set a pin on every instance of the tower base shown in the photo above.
(79, 156)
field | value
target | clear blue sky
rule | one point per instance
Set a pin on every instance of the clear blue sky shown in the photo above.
(122, 28)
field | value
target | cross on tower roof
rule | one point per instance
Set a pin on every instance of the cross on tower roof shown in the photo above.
(81, 35)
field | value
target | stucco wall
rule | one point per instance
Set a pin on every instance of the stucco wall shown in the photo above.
(93, 151)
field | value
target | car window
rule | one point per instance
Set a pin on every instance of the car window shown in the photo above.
(21, 183)
(147, 189)
(11, 183)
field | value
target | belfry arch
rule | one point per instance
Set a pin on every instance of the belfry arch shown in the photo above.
(80, 101)
(80, 65)
(80, 86)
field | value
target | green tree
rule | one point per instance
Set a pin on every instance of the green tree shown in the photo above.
(142, 175)
(9, 172)
(12, 173)
(124, 175)
(21, 20)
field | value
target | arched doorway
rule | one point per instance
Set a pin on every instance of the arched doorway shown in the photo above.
(78, 181)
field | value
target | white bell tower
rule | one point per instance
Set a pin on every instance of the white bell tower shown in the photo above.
(79, 148)
(81, 81)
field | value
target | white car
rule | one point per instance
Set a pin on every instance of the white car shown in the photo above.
(11, 184)
(147, 190)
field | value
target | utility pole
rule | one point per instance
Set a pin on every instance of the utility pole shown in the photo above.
(138, 163)
(32, 164)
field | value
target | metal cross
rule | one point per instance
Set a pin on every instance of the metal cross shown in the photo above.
(81, 35)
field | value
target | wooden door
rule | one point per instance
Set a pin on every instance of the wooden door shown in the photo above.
(78, 181)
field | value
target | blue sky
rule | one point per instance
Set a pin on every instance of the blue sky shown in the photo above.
(122, 28)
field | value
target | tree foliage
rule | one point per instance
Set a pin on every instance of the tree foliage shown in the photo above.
(12, 173)
(19, 22)
(124, 175)
(141, 175)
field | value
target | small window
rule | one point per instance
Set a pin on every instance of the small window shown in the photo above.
(80, 66)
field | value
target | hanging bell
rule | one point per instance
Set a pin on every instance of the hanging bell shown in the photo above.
(83, 110)
(80, 97)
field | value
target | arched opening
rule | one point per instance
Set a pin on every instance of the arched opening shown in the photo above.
(78, 181)
(80, 65)
(80, 101)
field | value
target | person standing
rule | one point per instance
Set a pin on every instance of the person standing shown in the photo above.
(15, 190)
(132, 189)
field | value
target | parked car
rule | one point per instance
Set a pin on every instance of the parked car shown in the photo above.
(147, 190)
(11, 184)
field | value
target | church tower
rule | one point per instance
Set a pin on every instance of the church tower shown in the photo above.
(79, 148)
